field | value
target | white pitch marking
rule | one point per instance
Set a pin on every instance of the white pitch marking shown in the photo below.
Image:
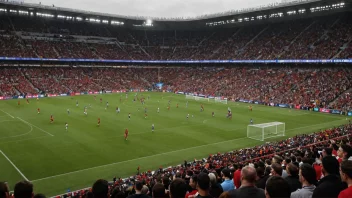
(18, 170)
(35, 126)
(7, 113)
(16, 135)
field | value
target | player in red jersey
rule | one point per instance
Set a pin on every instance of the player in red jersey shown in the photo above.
(98, 121)
(51, 119)
(250, 108)
(177, 105)
(19, 103)
(27, 101)
(145, 116)
(212, 114)
(168, 107)
(101, 100)
(95, 97)
(126, 133)
(38, 111)
(201, 107)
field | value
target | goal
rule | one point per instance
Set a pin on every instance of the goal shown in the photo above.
(190, 97)
(201, 98)
(265, 130)
(220, 100)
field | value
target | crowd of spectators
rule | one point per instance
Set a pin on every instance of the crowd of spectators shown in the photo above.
(318, 38)
(304, 166)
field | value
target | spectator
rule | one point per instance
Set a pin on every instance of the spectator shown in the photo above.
(203, 186)
(193, 184)
(166, 182)
(346, 151)
(292, 178)
(237, 176)
(23, 189)
(39, 196)
(277, 187)
(4, 190)
(145, 190)
(248, 188)
(262, 181)
(285, 162)
(346, 176)
(276, 169)
(215, 187)
(227, 184)
(330, 185)
(100, 189)
(158, 191)
(307, 177)
(138, 188)
(178, 188)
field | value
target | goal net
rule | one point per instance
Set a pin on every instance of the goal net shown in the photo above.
(265, 130)
(220, 100)
(201, 98)
(190, 97)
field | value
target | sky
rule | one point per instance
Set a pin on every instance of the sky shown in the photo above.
(156, 8)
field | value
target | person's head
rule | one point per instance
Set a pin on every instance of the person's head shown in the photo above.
(212, 178)
(226, 173)
(276, 159)
(178, 188)
(287, 161)
(138, 186)
(330, 166)
(203, 183)
(327, 152)
(276, 169)
(23, 189)
(193, 181)
(4, 190)
(307, 174)
(100, 189)
(248, 175)
(177, 175)
(277, 187)
(267, 171)
(346, 151)
(293, 158)
(346, 171)
(166, 181)
(292, 169)
(158, 190)
(145, 190)
(225, 194)
(267, 162)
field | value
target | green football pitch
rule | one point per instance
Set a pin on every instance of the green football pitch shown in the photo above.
(56, 160)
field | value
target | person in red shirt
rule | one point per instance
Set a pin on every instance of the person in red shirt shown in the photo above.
(27, 101)
(346, 176)
(237, 176)
(98, 121)
(177, 105)
(38, 111)
(126, 133)
(51, 119)
(101, 100)
(168, 108)
(193, 184)
(19, 103)
(317, 168)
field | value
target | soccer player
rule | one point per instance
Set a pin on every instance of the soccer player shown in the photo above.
(145, 109)
(250, 108)
(158, 110)
(37, 99)
(19, 103)
(76, 103)
(85, 111)
(187, 116)
(117, 109)
(66, 126)
(51, 119)
(152, 126)
(27, 101)
(145, 116)
(126, 133)
(201, 108)
(98, 121)
(95, 98)
(68, 111)
(38, 111)
(177, 105)
(212, 114)
(251, 121)
(107, 104)
(168, 107)
(129, 116)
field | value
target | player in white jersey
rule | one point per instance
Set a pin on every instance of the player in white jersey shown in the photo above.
(158, 110)
(187, 116)
(66, 126)
(68, 111)
(251, 121)
(129, 116)
(152, 127)
(76, 103)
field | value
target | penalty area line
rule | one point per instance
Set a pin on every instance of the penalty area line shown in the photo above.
(18, 170)
(35, 127)
(7, 113)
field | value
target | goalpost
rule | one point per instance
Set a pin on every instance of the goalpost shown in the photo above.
(201, 98)
(265, 130)
(218, 99)
(190, 97)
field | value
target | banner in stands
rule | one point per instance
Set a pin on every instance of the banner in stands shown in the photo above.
(335, 111)
(283, 105)
(179, 61)
(77, 94)
(324, 110)
(349, 113)
(316, 109)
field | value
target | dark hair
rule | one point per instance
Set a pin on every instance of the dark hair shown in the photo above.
(260, 171)
(278, 159)
(293, 158)
(267, 171)
(178, 188)
(195, 178)
(100, 188)
(203, 181)
(139, 185)
(158, 190)
(268, 162)
(346, 167)
(309, 174)
(299, 159)
(277, 168)
(226, 172)
(328, 151)
(166, 181)
(293, 169)
(39, 196)
(278, 187)
(348, 149)
(4, 189)
(23, 189)
(287, 160)
(331, 165)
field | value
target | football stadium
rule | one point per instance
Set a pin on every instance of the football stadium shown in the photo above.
(253, 102)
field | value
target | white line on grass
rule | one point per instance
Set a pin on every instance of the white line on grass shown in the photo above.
(24, 139)
(35, 126)
(131, 160)
(7, 113)
(16, 135)
(18, 170)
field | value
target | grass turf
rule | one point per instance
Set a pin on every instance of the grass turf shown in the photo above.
(56, 160)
